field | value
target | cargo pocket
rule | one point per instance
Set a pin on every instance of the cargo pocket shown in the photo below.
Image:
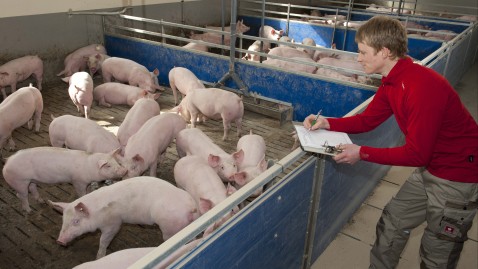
(457, 220)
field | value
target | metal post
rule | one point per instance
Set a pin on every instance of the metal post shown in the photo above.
(314, 210)
(351, 2)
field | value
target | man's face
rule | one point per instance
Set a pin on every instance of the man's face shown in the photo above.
(371, 61)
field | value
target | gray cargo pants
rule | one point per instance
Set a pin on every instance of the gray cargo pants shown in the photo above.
(448, 207)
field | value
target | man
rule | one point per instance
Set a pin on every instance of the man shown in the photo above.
(441, 138)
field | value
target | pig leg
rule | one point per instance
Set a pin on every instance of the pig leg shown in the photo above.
(37, 119)
(194, 116)
(39, 77)
(175, 94)
(107, 235)
(23, 196)
(181, 153)
(11, 144)
(3, 93)
(87, 111)
(102, 102)
(34, 191)
(154, 165)
(226, 125)
(239, 127)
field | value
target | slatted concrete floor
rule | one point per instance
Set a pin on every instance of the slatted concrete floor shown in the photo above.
(29, 241)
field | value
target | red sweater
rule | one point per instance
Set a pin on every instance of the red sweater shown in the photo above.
(440, 134)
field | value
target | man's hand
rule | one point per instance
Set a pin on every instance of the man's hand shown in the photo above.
(350, 154)
(312, 124)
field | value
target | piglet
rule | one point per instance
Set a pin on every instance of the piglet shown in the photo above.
(254, 162)
(342, 63)
(50, 165)
(114, 93)
(142, 111)
(20, 69)
(81, 91)
(256, 46)
(196, 46)
(140, 200)
(148, 145)
(76, 61)
(288, 52)
(131, 72)
(183, 80)
(270, 33)
(20, 107)
(292, 66)
(216, 104)
(193, 141)
(81, 134)
(94, 62)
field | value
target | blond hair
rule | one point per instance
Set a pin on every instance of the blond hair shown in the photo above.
(384, 32)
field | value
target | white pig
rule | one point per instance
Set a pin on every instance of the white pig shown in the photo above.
(217, 38)
(131, 72)
(296, 67)
(142, 111)
(193, 141)
(81, 134)
(148, 145)
(254, 163)
(115, 93)
(309, 42)
(18, 70)
(288, 52)
(75, 61)
(216, 104)
(270, 33)
(183, 80)
(342, 63)
(50, 165)
(95, 61)
(140, 200)
(20, 107)
(196, 46)
(81, 91)
(256, 46)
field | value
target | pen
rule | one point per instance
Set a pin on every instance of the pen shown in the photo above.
(315, 120)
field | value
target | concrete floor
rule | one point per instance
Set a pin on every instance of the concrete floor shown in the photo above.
(351, 247)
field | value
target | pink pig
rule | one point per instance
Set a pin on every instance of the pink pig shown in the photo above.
(75, 61)
(131, 72)
(193, 141)
(18, 70)
(140, 200)
(288, 52)
(142, 111)
(148, 145)
(184, 80)
(81, 134)
(95, 61)
(216, 104)
(50, 165)
(20, 107)
(254, 163)
(81, 91)
(270, 33)
(292, 66)
(114, 93)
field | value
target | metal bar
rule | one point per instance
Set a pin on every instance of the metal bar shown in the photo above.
(71, 13)
(313, 211)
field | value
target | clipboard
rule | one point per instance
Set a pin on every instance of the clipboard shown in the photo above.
(320, 141)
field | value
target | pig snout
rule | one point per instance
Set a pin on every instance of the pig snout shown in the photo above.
(59, 242)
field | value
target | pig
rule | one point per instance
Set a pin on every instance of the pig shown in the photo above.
(20, 69)
(50, 165)
(81, 134)
(256, 46)
(139, 200)
(75, 61)
(288, 52)
(309, 42)
(216, 104)
(183, 80)
(148, 145)
(286, 39)
(193, 174)
(81, 91)
(342, 63)
(115, 93)
(216, 38)
(142, 111)
(254, 163)
(131, 72)
(445, 35)
(22, 106)
(291, 66)
(196, 46)
(193, 141)
(94, 62)
(335, 74)
(270, 33)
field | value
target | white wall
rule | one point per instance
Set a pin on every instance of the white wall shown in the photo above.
(13, 8)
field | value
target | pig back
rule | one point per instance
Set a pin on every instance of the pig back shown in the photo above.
(193, 141)
(254, 148)
(142, 111)
(19, 106)
(120, 68)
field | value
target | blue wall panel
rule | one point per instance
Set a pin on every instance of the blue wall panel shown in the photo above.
(270, 233)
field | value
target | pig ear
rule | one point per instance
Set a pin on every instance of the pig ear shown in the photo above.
(138, 158)
(240, 178)
(273, 31)
(144, 93)
(204, 205)
(263, 164)
(156, 96)
(281, 32)
(58, 206)
(102, 163)
(117, 152)
(82, 209)
(156, 72)
(238, 156)
(213, 160)
(230, 189)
